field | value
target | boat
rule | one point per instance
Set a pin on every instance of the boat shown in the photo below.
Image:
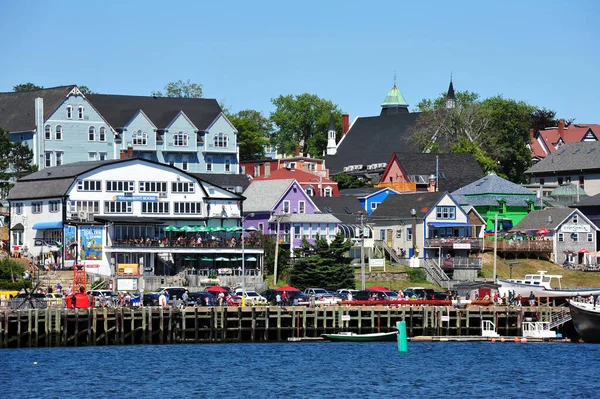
(586, 319)
(354, 337)
(541, 285)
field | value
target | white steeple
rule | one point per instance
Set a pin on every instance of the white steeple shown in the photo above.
(331, 144)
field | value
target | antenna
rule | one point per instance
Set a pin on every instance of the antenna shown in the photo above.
(394, 78)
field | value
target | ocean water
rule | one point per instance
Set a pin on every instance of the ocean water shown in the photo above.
(305, 370)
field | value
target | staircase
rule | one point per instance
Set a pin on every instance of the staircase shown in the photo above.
(559, 317)
(436, 274)
(387, 251)
(52, 278)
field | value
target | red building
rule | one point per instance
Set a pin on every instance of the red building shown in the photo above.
(313, 185)
(264, 167)
(545, 142)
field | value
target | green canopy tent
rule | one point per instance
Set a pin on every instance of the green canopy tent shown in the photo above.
(206, 259)
(171, 228)
(234, 229)
(217, 229)
(201, 229)
(222, 259)
(187, 229)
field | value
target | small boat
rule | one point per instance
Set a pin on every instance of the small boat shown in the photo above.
(586, 319)
(541, 286)
(354, 337)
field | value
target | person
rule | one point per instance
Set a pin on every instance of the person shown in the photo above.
(73, 301)
(141, 295)
(184, 299)
(284, 298)
(350, 295)
(127, 299)
(58, 287)
(531, 298)
(162, 300)
(221, 298)
(278, 299)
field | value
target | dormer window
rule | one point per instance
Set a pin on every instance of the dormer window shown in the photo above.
(80, 112)
(180, 139)
(69, 112)
(140, 138)
(221, 140)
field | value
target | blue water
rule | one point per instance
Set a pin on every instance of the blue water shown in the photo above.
(305, 370)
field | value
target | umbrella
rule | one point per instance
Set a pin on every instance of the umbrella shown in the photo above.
(189, 258)
(251, 228)
(287, 288)
(218, 228)
(170, 228)
(251, 259)
(542, 231)
(187, 229)
(216, 288)
(234, 229)
(583, 251)
(378, 288)
(206, 259)
(222, 258)
(235, 259)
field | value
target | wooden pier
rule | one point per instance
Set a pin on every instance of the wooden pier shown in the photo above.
(152, 325)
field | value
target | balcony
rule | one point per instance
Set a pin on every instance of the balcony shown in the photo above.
(175, 244)
(399, 186)
(461, 263)
(455, 243)
(532, 246)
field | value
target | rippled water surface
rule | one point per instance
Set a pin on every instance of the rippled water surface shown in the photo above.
(305, 370)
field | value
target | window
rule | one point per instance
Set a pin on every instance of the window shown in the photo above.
(48, 132)
(47, 159)
(88, 206)
(59, 158)
(575, 218)
(286, 206)
(120, 185)
(117, 207)
(102, 156)
(69, 112)
(301, 207)
(560, 181)
(182, 187)
(19, 208)
(327, 192)
(575, 237)
(140, 138)
(227, 165)
(194, 208)
(310, 191)
(153, 187)
(180, 139)
(446, 212)
(541, 182)
(102, 134)
(54, 206)
(221, 140)
(209, 165)
(590, 237)
(58, 132)
(261, 228)
(80, 112)
(92, 133)
(184, 164)
(374, 205)
(91, 156)
(89, 185)
(409, 234)
(256, 170)
(561, 237)
(582, 182)
(155, 207)
(297, 232)
(36, 207)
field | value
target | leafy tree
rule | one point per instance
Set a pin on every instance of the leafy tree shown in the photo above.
(180, 89)
(322, 264)
(302, 120)
(282, 260)
(5, 150)
(348, 181)
(86, 90)
(21, 158)
(27, 87)
(253, 132)
(10, 271)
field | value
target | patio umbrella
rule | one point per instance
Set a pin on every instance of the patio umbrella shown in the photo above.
(206, 259)
(378, 288)
(251, 259)
(222, 258)
(216, 288)
(187, 229)
(235, 229)
(171, 228)
(189, 258)
(218, 228)
(251, 228)
(583, 251)
(287, 288)
(542, 231)
(235, 259)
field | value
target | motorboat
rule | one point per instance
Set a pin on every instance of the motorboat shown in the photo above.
(354, 337)
(586, 319)
(543, 285)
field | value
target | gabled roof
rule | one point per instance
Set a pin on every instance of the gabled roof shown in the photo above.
(570, 157)
(307, 218)
(224, 179)
(345, 208)
(589, 201)
(17, 109)
(359, 192)
(536, 220)
(573, 133)
(492, 184)
(263, 195)
(300, 175)
(373, 140)
(399, 206)
(380, 189)
(119, 109)
(455, 170)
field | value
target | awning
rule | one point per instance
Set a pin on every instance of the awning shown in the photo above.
(48, 225)
(127, 219)
(447, 224)
(18, 226)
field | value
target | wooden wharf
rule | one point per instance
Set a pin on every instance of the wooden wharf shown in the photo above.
(55, 327)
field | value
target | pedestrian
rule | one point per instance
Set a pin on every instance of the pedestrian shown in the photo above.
(58, 287)
(284, 298)
(141, 296)
(162, 300)
(350, 295)
(531, 298)
(184, 299)
(278, 299)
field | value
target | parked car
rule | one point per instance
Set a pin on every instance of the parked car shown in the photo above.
(109, 297)
(416, 292)
(433, 294)
(151, 298)
(194, 296)
(316, 292)
(252, 297)
(375, 295)
(55, 300)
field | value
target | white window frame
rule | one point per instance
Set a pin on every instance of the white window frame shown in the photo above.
(327, 192)
(36, 207)
(590, 237)
(185, 187)
(209, 164)
(155, 207)
(92, 133)
(301, 206)
(91, 156)
(374, 205)
(221, 140)
(80, 110)
(185, 165)
(409, 234)
(139, 138)
(58, 132)
(47, 132)
(102, 156)
(297, 232)
(102, 133)
(561, 237)
(575, 237)
(187, 208)
(19, 208)
(89, 185)
(153, 187)
(310, 191)
(47, 159)
(227, 165)
(111, 207)
(120, 186)
(54, 206)
(69, 112)
(575, 218)
(180, 139)
(286, 206)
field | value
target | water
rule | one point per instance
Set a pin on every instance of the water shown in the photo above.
(304, 370)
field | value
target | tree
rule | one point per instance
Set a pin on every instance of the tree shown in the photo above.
(21, 157)
(282, 260)
(5, 150)
(180, 89)
(27, 87)
(323, 265)
(85, 90)
(254, 131)
(345, 181)
(302, 120)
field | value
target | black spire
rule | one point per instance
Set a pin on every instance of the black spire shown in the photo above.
(450, 95)
(331, 124)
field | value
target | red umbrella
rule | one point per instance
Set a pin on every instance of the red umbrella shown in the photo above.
(287, 288)
(584, 251)
(216, 288)
(378, 288)
(543, 231)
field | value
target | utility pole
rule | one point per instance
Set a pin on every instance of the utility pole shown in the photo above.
(495, 244)
(278, 217)
(362, 250)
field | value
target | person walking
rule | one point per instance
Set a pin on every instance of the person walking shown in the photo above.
(162, 300)
(531, 298)
(278, 299)
(184, 299)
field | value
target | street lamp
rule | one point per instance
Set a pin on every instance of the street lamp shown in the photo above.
(413, 213)
(243, 257)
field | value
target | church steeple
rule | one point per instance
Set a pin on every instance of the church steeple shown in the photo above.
(450, 97)
(331, 144)
(394, 102)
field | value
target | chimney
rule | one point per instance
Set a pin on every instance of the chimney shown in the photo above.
(297, 150)
(431, 187)
(129, 151)
(122, 155)
(345, 124)
(561, 129)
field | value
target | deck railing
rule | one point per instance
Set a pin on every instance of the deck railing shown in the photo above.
(521, 245)
(455, 242)
(399, 186)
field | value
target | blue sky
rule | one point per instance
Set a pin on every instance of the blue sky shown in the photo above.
(245, 53)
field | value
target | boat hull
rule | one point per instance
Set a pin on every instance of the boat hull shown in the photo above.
(586, 319)
(351, 337)
(543, 292)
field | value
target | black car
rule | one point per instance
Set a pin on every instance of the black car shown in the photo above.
(200, 298)
(374, 295)
(151, 298)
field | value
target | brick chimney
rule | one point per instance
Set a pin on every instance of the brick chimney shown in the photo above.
(297, 150)
(345, 124)
(561, 129)
(129, 151)
(431, 187)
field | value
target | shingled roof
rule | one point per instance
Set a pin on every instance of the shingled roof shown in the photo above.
(488, 189)
(399, 206)
(535, 220)
(17, 109)
(118, 110)
(345, 208)
(571, 156)
(224, 179)
(373, 140)
(262, 195)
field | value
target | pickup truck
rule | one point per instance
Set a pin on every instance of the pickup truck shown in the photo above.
(316, 292)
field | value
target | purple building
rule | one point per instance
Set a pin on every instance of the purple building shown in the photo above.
(282, 207)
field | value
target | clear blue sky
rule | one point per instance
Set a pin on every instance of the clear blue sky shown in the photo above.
(245, 53)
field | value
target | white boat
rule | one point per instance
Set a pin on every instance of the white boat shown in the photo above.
(543, 286)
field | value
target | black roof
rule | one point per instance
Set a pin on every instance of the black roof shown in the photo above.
(118, 110)
(450, 95)
(345, 208)
(400, 205)
(17, 109)
(373, 140)
(588, 201)
(224, 179)
(359, 192)
(455, 170)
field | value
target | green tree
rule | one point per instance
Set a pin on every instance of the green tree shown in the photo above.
(347, 181)
(85, 90)
(21, 159)
(322, 264)
(27, 87)
(182, 89)
(282, 261)
(5, 151)
(10, 271)
(302, 120)
(254, 131)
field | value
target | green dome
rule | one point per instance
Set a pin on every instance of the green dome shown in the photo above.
(394, 99)
(568, 190)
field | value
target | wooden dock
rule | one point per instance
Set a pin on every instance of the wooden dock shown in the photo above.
(152, 325)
